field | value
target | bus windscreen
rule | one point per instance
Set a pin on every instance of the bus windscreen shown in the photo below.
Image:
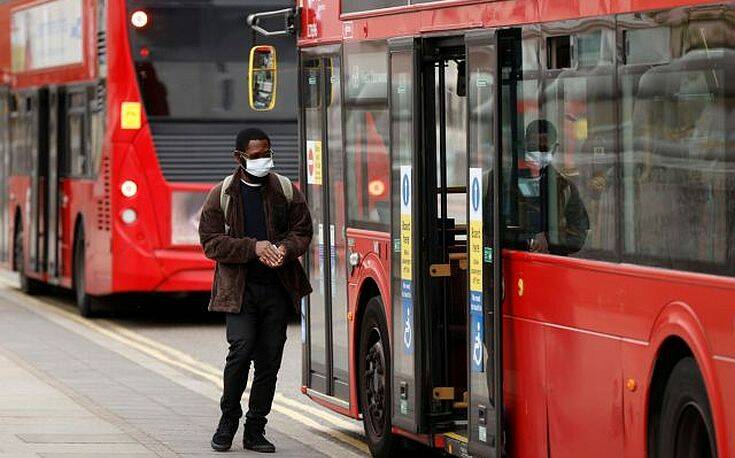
(191, 61)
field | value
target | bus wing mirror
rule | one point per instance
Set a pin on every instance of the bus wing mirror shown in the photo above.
(262, 76)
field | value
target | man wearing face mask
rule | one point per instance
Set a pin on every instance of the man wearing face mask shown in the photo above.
(256, 225)
(562, 220)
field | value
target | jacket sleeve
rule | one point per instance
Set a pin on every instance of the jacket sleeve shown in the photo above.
(300, 227)
(217, 245)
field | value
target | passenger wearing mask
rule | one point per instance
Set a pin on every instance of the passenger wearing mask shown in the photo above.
(256, 225)
(560, 220)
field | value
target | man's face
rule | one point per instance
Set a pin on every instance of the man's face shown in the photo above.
(256, 149)
(538, 141)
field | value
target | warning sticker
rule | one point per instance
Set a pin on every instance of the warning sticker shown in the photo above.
(314, 162)
(476, 251)
(406, 247)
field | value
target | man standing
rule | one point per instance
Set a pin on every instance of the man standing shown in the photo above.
(256, 225)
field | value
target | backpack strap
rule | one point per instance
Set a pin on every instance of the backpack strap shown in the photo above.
(286, 187)
(224, 199)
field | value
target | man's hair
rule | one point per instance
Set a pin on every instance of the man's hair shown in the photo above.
(245, 135)
(542, 126)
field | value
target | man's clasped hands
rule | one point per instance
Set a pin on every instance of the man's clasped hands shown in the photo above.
(269, 254)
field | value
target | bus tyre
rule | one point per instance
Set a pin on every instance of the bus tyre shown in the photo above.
(375, 382)
(685, 427)
(27, 285)
(85, 302)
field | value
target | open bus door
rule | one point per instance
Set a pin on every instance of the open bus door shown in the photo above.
(446, 372)
(485, 425)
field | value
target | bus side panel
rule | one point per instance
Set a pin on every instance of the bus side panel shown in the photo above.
(725, 368)
(524, 387)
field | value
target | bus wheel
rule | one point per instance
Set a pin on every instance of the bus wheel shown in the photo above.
(85, 302)
(685, 426)
(375, 383)
(27, 285)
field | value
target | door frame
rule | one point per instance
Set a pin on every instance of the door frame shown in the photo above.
(328, 389)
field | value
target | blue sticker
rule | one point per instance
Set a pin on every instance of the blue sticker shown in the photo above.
(406, 188)
(478, 341)
(475, 194)
(407, 316)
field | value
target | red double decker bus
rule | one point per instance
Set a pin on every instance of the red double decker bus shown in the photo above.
(117, 117)
(525, 224)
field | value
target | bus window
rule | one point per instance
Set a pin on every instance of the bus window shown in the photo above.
(367, 135)
(578, 166)
(677, 162)
(77, 154)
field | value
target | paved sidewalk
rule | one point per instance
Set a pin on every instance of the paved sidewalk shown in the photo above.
(37, 417)
(70, 390)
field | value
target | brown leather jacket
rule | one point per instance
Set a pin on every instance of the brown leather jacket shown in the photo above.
(288, 224)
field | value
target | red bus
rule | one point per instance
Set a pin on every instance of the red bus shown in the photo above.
(524, 219)
(117, 117)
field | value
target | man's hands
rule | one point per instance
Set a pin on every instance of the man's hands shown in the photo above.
(269, 254)
(539, 243)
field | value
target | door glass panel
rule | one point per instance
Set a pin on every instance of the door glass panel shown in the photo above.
(481, 124)
(338, 263)
(403, 230)
(313, 129)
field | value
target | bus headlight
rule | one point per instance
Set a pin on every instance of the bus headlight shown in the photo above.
(128, 216)
(129, 188)
(139, 19)
(186, 206)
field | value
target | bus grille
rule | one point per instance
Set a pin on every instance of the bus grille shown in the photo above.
(199, 156)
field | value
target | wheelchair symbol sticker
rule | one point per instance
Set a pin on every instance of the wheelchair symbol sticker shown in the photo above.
(407, 321)
(477, 343)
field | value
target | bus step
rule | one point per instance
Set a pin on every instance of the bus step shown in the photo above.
(456, 445)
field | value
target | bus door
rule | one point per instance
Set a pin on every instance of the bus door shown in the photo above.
(4, 172)
(324, 313)
(39, 150)
(429, 156)
(56, 119)
(406, 312)
(485, 64)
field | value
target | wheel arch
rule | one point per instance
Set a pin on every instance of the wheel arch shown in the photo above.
(677, 334)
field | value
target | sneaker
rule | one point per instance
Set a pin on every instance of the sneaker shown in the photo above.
(222, 439)
(255, 440)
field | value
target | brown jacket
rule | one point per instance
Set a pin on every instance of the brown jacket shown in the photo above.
(288, 224)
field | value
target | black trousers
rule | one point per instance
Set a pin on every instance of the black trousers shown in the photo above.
(257, 334)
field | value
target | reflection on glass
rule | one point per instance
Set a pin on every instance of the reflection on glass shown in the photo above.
(678, 170)
(367, 134)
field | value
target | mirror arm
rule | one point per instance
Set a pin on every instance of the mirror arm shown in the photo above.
(291, 20)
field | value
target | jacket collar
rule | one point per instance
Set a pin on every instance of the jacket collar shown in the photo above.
(237, 175)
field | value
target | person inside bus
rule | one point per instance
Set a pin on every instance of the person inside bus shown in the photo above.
(256, 225)
(556, 215)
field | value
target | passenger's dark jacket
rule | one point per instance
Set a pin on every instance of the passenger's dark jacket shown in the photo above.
(287, 223)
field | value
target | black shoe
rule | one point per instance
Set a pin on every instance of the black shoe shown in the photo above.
(255, 440)
(222, 439)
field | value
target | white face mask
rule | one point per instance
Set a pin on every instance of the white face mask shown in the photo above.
(258, 167)
(542, 158)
